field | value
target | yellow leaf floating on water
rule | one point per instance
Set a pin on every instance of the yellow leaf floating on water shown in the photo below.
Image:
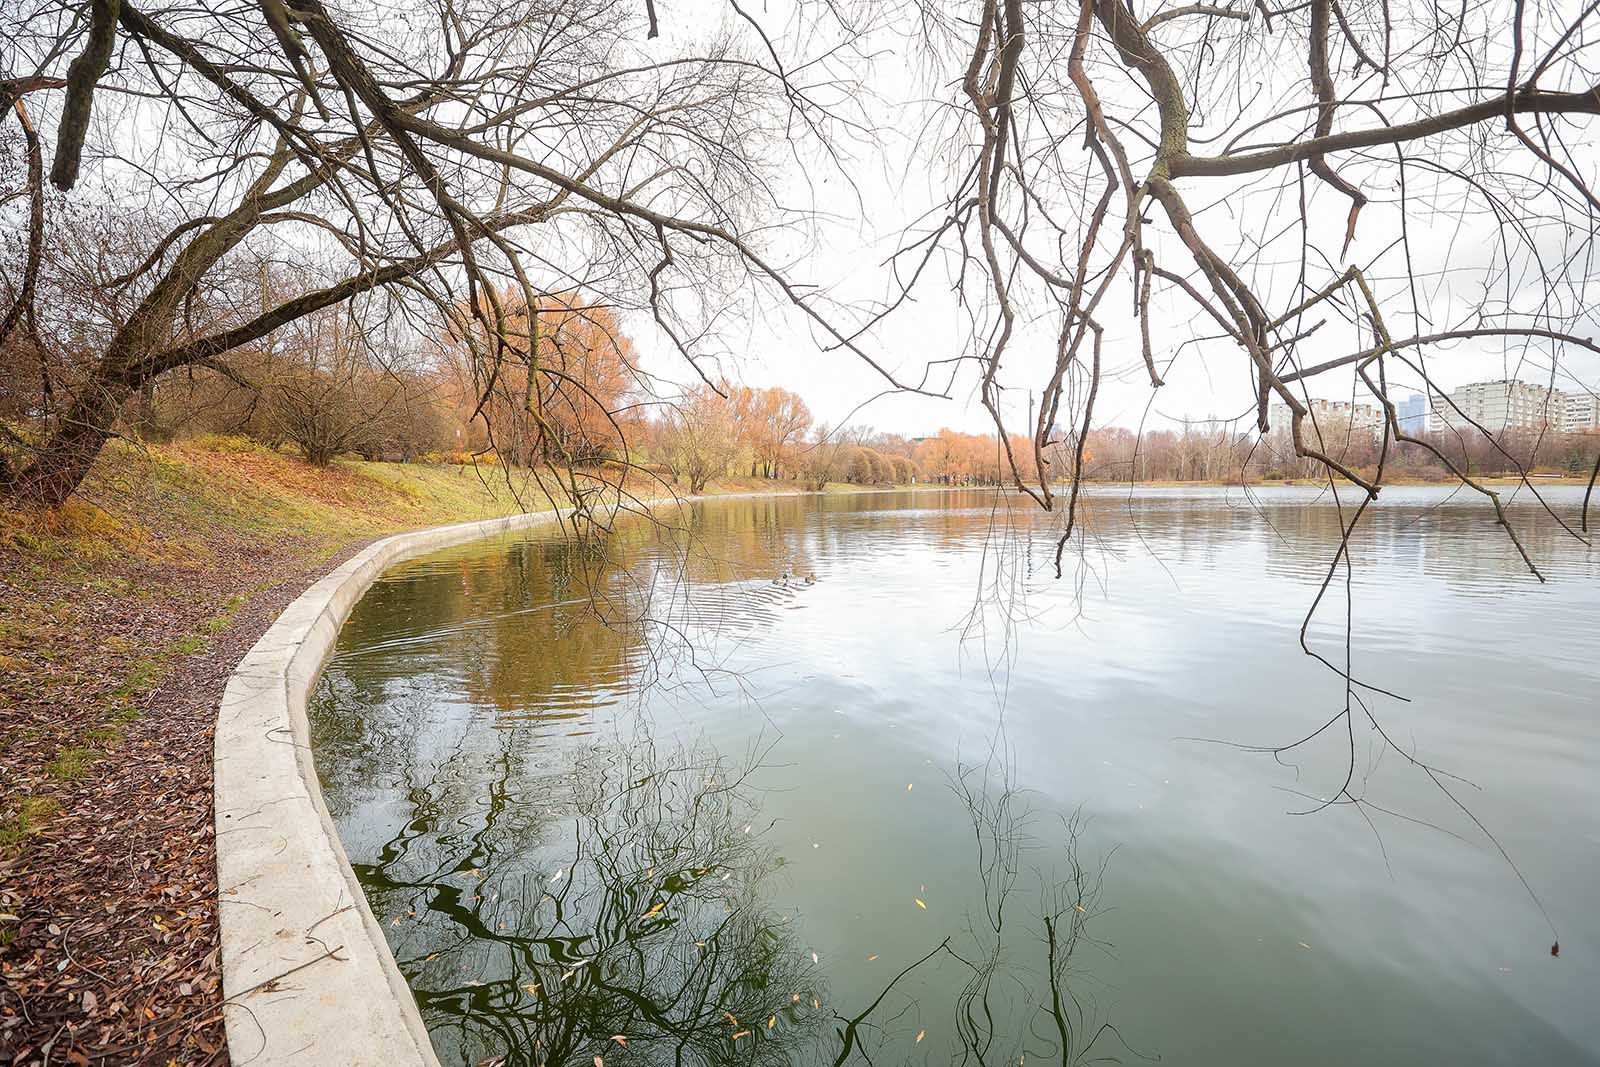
(872, 957)
(920, 904)
(908, 787)
(655, 910)
(532, 987)
(815, 1003)
(741, 1033)
(620, 1039)
(920, 1035)
(773, 1021)
(795, 999)
(814, 958)
(731, 1020)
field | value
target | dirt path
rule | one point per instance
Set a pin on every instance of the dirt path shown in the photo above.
(112, 956)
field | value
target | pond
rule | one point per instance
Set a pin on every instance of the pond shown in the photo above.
(856, 779)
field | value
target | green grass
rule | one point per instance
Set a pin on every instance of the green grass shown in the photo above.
(187, 645)
(224, 619)
(72, 763)
(30, 815)
(140, 677)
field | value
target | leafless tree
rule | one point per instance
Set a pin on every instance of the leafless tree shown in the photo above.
(700, 437)
(1184, 162)
(445, 153)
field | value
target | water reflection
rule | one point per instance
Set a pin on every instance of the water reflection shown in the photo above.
(646, 928)
(646, 921)
(500, 713)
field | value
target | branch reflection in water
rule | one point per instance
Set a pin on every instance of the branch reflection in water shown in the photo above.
(646, 929)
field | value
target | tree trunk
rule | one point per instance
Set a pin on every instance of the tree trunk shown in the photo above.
(61, 465)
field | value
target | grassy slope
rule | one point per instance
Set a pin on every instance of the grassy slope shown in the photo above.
(155, 558)
(120, 618)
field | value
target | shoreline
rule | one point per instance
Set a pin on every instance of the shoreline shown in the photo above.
(121, 619)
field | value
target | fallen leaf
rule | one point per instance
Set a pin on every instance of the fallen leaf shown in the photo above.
(771, 1022)
(872, 957)
(920, 1035)
(620, 1039)
(598, 1062)
(655, 910)
(920, 904)
(741, 1033)
(908, 787)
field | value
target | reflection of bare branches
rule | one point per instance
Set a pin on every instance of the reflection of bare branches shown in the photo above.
(548, 916)
(653, 929)
(1053, 1009)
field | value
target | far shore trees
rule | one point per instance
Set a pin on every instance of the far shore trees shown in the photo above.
(699, 437)
(772, 422)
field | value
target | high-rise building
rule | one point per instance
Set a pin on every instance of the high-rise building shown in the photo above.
(1334, 419)
(1506, 404)
(1582, 414)
(1412, 413)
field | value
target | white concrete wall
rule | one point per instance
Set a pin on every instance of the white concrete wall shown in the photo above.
(307, 975)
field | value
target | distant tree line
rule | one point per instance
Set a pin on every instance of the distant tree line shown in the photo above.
(1220, 452)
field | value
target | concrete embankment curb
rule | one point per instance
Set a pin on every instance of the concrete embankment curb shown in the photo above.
(306, 972)
(307, 975)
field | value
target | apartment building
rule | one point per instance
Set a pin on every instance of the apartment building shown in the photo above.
(1334, 419)
(1412, 414)
(1507, 404)
(1496, 406)
(1582, 413)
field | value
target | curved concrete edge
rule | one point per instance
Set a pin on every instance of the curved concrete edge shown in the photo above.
(307, 975)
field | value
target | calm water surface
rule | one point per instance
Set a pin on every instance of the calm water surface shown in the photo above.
(856, 779)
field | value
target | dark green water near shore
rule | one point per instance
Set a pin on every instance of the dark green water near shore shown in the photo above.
(856, 779)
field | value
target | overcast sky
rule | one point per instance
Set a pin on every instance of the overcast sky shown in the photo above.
(891, 183)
